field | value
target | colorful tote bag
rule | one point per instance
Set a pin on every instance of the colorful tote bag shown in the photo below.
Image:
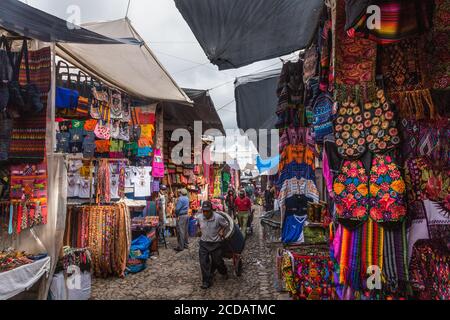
(381, 128)
(387, 191)
(349, 130)
(351, 194)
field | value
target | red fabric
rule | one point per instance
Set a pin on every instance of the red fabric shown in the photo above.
(243, 204)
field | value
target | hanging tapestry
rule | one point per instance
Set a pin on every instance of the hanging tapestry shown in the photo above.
(404, 70)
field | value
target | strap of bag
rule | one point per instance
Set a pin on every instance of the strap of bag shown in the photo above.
(27, 62)
(61, 74)
(15, 66)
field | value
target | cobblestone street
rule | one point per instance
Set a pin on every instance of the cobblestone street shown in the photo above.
(177, 276)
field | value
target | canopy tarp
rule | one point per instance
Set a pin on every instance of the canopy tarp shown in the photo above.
(181, 116)
(256, 100)
(30, 22)
(256, 103)
(131, 68)
(235, 33)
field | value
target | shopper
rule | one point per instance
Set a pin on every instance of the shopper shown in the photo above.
(229, 201)
(243, 207)
(181, 212)
(211, 228)
(269, 197)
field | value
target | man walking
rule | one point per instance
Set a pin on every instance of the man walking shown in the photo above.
(243, 207)
(181, 211)
(211, 227)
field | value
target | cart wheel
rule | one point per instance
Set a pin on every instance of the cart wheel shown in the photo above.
(238, 267)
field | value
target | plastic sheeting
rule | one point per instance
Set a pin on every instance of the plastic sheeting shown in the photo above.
(130, 68)
(235, 33)
(180, 116)
(22, 278)
(36, 24)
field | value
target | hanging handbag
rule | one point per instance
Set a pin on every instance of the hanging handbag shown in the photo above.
(27, 98)
(65, 97)
(115, 103)
(82, 109)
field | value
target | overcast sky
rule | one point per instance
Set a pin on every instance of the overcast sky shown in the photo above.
(168, 35)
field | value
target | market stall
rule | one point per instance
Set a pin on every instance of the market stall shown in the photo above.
(46, 134)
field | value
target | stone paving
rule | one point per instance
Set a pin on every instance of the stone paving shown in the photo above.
(177, 276)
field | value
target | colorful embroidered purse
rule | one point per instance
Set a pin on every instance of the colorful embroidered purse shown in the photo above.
(381, 128)
(351, 194)
(387, 191)
(349, 130)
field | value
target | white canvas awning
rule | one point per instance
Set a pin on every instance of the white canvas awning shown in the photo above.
(130, 68)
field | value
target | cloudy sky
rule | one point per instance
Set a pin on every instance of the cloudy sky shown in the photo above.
(169, 36)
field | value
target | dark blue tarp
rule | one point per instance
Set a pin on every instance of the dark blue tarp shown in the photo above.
(30, 22)
(235, 33)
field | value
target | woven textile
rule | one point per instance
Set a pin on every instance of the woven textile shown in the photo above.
(438, 47)
(399, 19)
(430, 270)
(404, 72)
(28, 139)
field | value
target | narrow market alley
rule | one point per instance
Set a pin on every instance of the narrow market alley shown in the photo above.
(177, 276)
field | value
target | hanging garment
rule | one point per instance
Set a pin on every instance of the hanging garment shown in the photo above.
(293, 229)
(351, 194)
(387, 191)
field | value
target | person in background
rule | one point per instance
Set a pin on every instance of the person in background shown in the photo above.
(212, 227)
(243, 207)
(269, 197)
(181, 212)
(229, 201)
(162, 198)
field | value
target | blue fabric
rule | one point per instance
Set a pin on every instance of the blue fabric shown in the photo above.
(268, 164)
(142, 244)
(66, 98)
(182, 206)
(293, 228)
